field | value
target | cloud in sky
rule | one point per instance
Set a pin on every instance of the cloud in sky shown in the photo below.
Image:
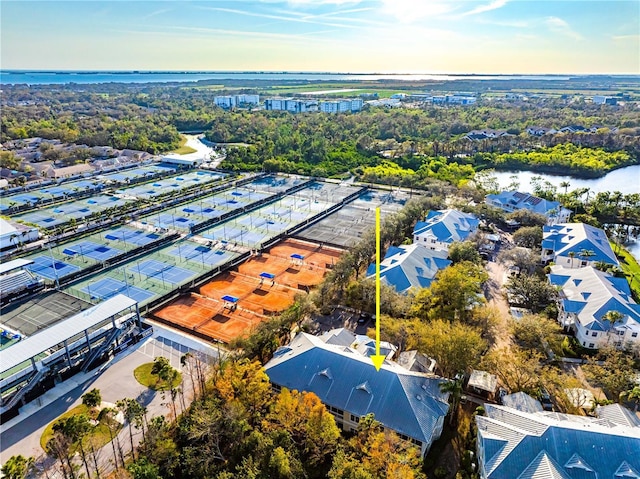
(410, 11)
(487, 8)
(466, 36)
(562, 27)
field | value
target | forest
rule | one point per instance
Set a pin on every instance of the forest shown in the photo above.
(416, 143)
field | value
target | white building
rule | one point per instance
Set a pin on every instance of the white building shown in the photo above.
(460, 99)
(441, 228)
(341, 106)
(406, 267)
(291, 105)
(337, 368)
(575, 245)
(247, 99)
(14, 234)
(511, 201)
(226, 102)
(586, 296)
(604, 100)
(233, 101)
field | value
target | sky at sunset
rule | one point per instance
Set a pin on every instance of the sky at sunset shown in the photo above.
(409, 36)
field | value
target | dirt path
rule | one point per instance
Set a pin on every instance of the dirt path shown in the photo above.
(496, 299)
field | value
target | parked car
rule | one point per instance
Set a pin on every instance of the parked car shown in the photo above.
(364, 318)
(545, 399)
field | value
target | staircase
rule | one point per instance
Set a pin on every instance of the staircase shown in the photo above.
(33, 380)
(96, 353)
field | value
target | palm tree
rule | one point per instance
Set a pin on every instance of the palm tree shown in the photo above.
(631, 395)
(454, 388)
(565, 185)
(167, 373)
(75, 428)
(124, 406)
(612, 317)
(585, 254)
(107, 415)
(572, 255)
(17, 467)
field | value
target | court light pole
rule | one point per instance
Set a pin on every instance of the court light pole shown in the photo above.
(53, 266)
(124, 274)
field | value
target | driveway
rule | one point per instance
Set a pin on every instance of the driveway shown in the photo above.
(496, 299)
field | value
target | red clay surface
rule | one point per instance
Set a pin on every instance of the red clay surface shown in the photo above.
(207, 315)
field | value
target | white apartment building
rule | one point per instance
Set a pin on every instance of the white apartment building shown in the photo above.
(341, 106)
(232, 101)
(587, 296)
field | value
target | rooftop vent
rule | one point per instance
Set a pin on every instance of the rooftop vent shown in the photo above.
(364, 387)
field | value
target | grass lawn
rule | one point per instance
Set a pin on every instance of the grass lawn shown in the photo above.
(99, 436)
(183, 149)
(143, 375)
(631, 269)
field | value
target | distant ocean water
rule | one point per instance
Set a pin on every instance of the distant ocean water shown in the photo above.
(13, 77)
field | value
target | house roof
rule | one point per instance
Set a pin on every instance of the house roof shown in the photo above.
(565, 238)
(518, 444)
(410, 266)
(618, 414)
(73, 170)
(591, 294)
(407, 402)
(483, 380)
(517, 200)
(447, 226)
(522, 402)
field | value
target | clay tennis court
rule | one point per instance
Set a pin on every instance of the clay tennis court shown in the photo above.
(206, 314)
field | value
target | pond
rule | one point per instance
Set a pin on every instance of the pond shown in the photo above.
(626, 180)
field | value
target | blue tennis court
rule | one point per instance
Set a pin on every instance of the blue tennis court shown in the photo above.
(108, 287)
(92, 250)
(168, 221)
(128, 235)
(199, 253)
(50, 268)
(162, 271)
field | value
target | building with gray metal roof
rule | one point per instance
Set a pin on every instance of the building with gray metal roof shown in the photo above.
(346, 381)
(527, 445)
